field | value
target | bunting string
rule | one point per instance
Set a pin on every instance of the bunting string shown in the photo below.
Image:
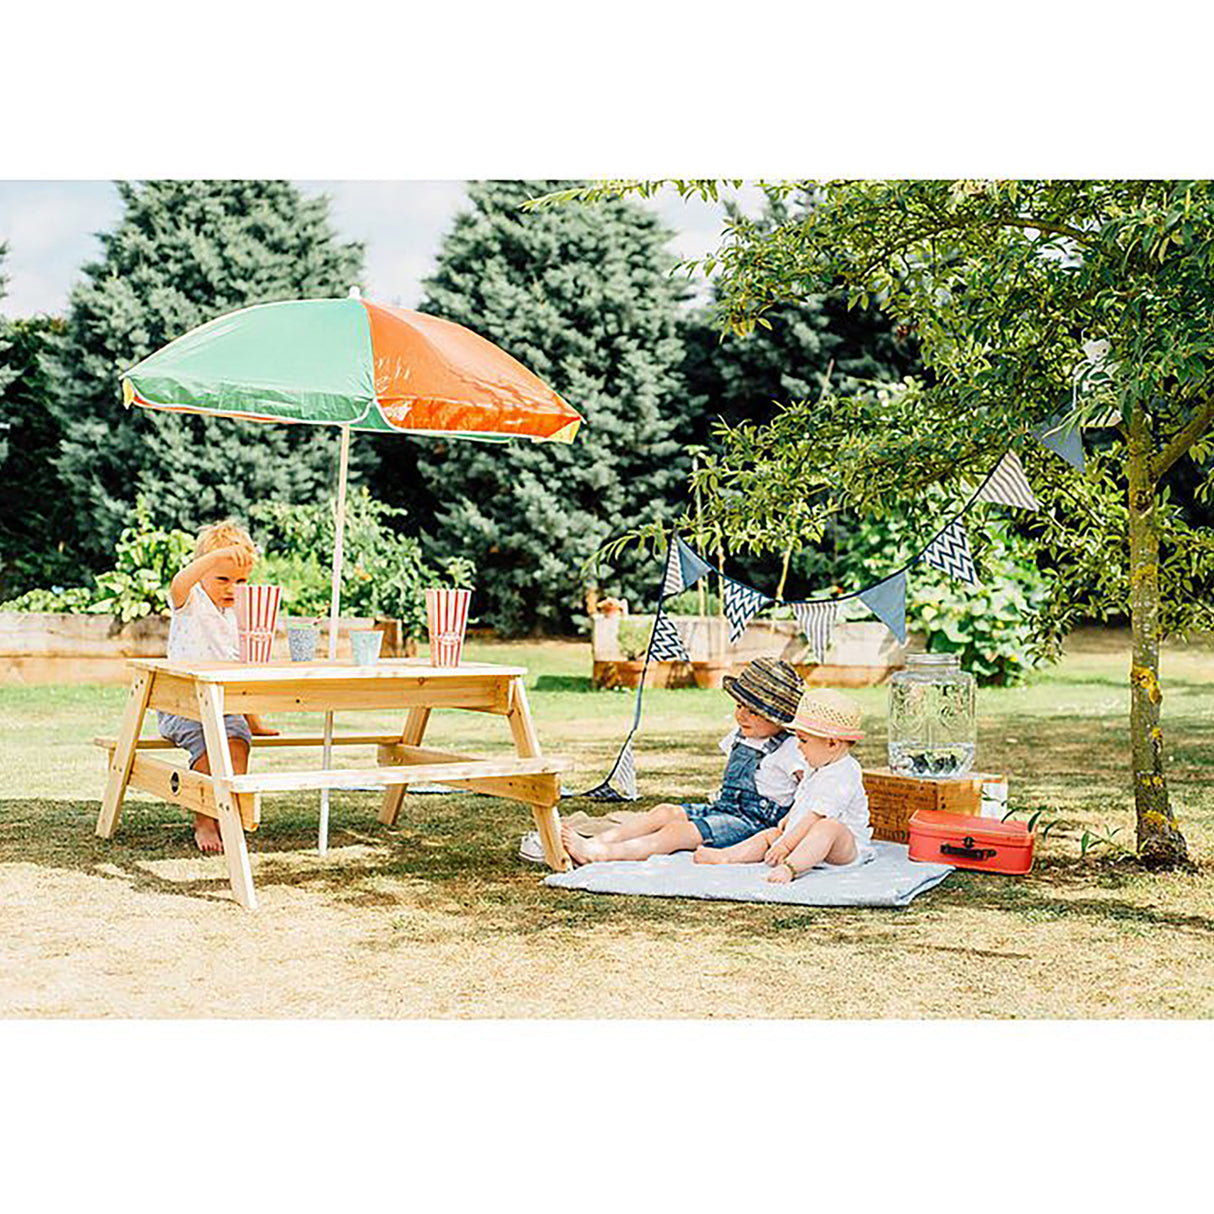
(948, 550)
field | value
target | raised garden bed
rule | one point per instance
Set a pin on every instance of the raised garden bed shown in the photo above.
(37, 647)
(862, 652)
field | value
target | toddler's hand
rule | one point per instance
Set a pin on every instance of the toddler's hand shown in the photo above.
(776, 854)
(234, 561)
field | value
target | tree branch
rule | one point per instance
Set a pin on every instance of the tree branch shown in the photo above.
(1198, 424)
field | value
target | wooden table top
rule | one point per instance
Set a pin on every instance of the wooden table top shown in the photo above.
(398, 669)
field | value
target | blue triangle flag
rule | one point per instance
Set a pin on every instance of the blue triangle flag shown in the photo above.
(1062, 438)
(887, 601)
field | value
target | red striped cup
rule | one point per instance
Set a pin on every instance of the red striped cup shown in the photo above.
(256, 619)
(447, 618)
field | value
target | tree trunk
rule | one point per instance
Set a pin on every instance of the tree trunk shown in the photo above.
(1160, 843)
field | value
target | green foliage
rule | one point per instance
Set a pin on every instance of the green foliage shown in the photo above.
(384, 572)
(634, 636)
(991, 626)
(37, 524)
(583, 298)
(183, 253)
(146, 558)
(688, 603)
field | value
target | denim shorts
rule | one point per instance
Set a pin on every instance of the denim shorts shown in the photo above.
(187, 734)
(718, 827)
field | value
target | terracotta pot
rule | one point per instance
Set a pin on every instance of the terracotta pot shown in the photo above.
(710, 674)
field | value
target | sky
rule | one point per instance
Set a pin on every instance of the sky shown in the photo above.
(50, 228)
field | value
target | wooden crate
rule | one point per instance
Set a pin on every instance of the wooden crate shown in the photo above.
(892, 799)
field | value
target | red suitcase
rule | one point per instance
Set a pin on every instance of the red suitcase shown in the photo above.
(985, 844)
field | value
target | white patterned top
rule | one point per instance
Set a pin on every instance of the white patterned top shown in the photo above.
(835, 790)
(200, 632)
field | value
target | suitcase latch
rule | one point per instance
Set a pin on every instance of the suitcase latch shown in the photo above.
(967, 850)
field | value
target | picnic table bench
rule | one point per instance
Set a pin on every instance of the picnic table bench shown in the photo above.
(206, 691)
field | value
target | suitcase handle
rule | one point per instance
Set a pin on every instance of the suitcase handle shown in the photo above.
(967, 851)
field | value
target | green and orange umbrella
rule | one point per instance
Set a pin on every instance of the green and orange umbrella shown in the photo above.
(356, 365)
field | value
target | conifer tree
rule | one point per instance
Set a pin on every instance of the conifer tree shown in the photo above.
(182, 253)
(583, 297)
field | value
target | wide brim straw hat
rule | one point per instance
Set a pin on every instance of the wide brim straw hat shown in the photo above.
(827, 713)
(768, 687)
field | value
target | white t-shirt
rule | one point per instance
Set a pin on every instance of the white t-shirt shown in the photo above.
(777, 775)
(835, 791)
(200, 632)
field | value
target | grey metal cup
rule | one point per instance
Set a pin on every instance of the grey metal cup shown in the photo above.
(366, 643)
(302, 643)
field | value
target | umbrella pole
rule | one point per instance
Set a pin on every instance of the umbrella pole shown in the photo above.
(322, 844)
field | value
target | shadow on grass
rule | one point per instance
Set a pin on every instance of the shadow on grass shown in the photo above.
(456, 856)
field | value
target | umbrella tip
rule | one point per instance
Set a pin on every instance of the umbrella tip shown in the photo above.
(354, 293)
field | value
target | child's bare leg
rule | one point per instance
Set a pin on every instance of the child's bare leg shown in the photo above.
(749, 851)
(206, 830)
(827, 840)
(675, 835)
(643, 824)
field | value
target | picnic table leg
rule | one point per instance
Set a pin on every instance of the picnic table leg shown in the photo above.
(527, 746)
(231, 829)
(124, 753)
(411, 735)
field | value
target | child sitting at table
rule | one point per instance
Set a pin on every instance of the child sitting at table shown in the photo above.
(756, 790)
(828, 821)
(203, 629)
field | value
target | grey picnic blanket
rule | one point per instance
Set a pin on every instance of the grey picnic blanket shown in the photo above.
(888, 879)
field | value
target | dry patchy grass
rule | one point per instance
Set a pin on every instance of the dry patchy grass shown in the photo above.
(437, 918)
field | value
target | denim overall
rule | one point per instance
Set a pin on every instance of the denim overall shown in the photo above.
(738, 811)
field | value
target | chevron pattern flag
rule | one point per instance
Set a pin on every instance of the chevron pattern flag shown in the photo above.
(742, 604)
(683, 568)
(887, 601)
(667, 645)
(1008, 486)
(950, 551)
(817, 622)
(621, 784)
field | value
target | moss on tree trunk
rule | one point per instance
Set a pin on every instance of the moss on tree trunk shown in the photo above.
(1160, 843)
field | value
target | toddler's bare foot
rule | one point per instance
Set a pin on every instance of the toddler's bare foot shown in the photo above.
(581, 851)
(779, 876)
(259, 729)
(709, 855)
(206, 834)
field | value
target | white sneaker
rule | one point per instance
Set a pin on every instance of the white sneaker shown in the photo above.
(530, 848)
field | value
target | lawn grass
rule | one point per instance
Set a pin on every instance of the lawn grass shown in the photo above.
(437, 917)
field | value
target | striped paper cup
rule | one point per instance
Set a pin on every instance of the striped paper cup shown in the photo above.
(256, 619)
(447, 618)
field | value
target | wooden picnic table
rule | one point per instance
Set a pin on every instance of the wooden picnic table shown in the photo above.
(205, 691)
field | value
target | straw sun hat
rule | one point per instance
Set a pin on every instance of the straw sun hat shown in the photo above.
(827, 713)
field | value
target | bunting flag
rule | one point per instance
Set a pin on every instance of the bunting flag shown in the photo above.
(887, 601)
(742, 604)
(684, 568)
(950, 551)
(817, 622)
(1008, 486)
(667, 645)
(621, 784)
(1062, 438)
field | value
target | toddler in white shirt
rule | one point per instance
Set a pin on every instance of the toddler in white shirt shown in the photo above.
(203, 629)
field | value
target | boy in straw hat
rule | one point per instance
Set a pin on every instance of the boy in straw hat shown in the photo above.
(760, 780)
(829, 816)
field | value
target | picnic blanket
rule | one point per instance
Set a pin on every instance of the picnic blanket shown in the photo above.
(889, 879)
